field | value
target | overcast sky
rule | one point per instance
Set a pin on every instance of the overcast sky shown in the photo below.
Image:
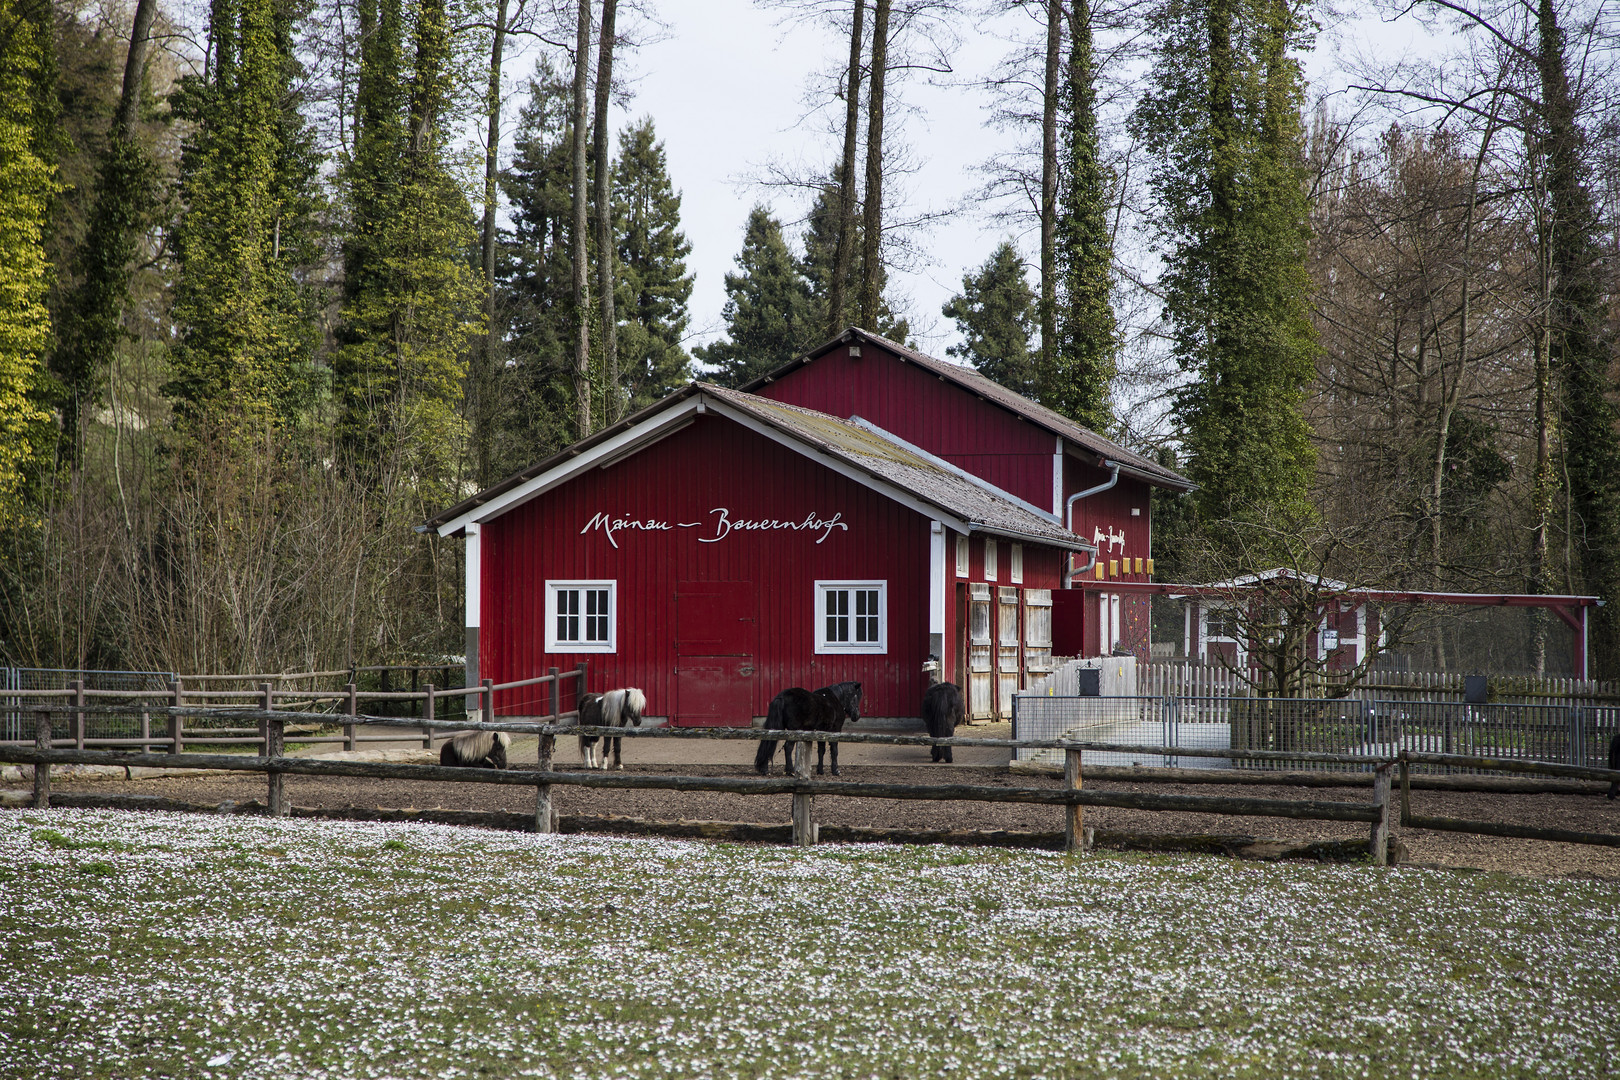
(726, 88)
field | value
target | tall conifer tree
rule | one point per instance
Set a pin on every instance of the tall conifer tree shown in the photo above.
(1222, 121)
(653, 284)
(770, 316)
(244, 362)
(1078, 370)
(995, 313)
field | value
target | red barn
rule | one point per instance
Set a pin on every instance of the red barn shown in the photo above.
(864, 508)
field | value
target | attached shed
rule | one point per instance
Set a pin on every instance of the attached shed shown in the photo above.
(720, 546)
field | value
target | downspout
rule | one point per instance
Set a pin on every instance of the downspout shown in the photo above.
(1068, 519)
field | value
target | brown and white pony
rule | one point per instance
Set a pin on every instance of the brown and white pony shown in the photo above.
(616, 708)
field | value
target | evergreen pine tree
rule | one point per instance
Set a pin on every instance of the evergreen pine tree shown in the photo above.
(26, 187)
(244, 362)
(770, 316)
(820, 265)
(1082, 363)
(653, 285)
(537, 398)
(1222, 121)
(995, 313)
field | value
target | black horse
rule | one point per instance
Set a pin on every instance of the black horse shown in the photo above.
(942, 710)
(1614, 763)
(798, 709)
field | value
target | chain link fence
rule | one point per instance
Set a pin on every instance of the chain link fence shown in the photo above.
(16, 723)
(1573, 735)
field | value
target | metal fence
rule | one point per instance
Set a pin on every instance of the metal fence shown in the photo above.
(15, 725)
(1574, 735)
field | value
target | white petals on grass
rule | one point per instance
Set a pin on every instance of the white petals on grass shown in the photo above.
(171, 945)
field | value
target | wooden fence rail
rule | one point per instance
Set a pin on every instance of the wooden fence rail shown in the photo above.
(1498, 828)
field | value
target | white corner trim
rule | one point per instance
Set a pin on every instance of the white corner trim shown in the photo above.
(473, 565)
(936, 578)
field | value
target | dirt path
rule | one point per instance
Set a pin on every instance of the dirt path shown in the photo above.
(1583, 812)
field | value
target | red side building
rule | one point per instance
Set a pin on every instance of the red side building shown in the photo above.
(845, 517)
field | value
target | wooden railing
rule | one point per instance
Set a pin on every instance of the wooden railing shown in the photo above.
(174, 704)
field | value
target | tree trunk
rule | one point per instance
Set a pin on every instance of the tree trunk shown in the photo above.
(612, 399)
(843, 254)
(872, 217)
(1049, 185)
(140, 35)
(581, 291)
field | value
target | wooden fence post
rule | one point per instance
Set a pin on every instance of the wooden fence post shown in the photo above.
(354, 710)
(545, 815)
(804, 824)
(1406, 791)
(78, 713)
(1378, 844)
(556, 694)
(274, 747)
(177, 723)
(1074, 815)
(427, 714)
(487, 699)
(581, 688)
(266, 704)
(42, 771)
(146, 727)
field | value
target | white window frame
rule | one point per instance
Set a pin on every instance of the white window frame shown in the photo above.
(554, 644)
(1015, 565)
(989, 559)
(962, 556)
(866, 648)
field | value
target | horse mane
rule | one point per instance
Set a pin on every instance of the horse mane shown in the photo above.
(848, 696)
(620, 707)
(476, 745)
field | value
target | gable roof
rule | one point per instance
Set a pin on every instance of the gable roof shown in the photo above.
(1131, 463)
(859, 451)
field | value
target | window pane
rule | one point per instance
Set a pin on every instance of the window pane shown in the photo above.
(866, 610)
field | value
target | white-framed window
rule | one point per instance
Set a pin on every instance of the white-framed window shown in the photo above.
(852, 616)
(989, 559)
(961, 556)
(1015, 565)
(582, 616)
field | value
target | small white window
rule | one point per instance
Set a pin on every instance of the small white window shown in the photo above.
(961, 556)
(1015, 568)
(989, 560)
(581, 616)
(852, 616)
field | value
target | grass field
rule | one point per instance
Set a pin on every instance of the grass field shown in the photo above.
(190, 946)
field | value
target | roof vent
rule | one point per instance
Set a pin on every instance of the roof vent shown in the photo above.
(855, 351)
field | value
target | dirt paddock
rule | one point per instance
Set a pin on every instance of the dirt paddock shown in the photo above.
(1579, 812)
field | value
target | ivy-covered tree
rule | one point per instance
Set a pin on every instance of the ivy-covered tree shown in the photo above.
(770, 315)
(245, 359)
(26, 186)
(653, 285)
(1222, 123)
(995, 314)
(412, 296)
(1076, 378)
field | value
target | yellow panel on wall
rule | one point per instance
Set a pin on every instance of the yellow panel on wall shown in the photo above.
(1138, 566)
(1113, 568)
(1150, 566)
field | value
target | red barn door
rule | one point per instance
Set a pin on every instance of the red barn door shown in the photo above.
(716, 634)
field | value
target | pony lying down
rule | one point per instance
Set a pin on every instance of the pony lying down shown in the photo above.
(616, 708)
(476, 750)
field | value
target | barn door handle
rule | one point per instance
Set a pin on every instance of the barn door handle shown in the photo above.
(747, 670)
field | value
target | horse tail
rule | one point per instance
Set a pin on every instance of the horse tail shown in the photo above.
(775, 720)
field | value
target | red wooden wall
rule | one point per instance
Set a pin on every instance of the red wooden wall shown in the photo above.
(713, 463)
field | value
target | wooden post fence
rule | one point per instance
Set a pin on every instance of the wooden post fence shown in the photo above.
(427, 716)
(274, 747)
(556, 694)
(1378, 844)
(42, 771)
(177, 723)
(545, 814)
(352, 709)
(1074, 816)
(487, 701)
(804, 823)
(78, 713)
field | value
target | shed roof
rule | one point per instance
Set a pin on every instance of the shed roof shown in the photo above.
(1131, 463)
(858, 450)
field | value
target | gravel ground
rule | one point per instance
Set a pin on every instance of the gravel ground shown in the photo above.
(1582, 812)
